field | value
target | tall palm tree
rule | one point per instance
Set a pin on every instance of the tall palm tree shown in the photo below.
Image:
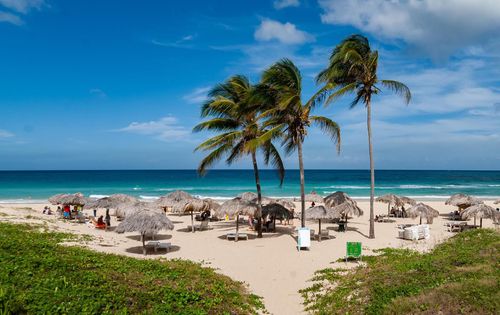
(291, 117)
(234, 116)
(353, 69)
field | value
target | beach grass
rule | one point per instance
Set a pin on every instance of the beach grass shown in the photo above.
(38, 275)
(459, 276)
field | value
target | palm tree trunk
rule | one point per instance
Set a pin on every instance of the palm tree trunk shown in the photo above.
(302, 188)
(372, 167)
(258, 214)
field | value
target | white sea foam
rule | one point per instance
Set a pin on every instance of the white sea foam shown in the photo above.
(146, 198)
(98, 196)
(22, 201)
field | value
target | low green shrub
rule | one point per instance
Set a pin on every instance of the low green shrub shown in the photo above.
(459, 276)
(39, 276)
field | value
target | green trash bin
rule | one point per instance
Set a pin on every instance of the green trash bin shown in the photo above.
(353, 249)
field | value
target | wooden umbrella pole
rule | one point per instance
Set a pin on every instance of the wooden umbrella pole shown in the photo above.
(319, 234)
(192, 222)
(237, 226)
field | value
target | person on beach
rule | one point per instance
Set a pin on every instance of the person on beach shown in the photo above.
(313, 204)
(108, 218)
(95, 213)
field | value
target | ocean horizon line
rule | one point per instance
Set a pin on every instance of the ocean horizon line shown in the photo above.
(248, 169)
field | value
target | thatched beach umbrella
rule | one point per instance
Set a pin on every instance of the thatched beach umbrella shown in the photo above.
(68, 199)
(125, 209)
(462, 201)
(248, 196)
(408, 200)
(422, 210)
(175, 199)
(313, 197)
(195, 205)
(275, 210)
(146, 223)
(285, 203)
(253, 197)
(390, 199)
(321, 213)
(236, 207)
(481, 211)
(343, 204)
(111, 202)
(497, 201)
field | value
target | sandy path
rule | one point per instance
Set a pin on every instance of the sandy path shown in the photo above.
(271, 266)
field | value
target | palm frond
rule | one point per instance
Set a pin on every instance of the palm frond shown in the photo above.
(398, 88)
(272, 156)
(212, 158)
(329, 127)
(217, 124)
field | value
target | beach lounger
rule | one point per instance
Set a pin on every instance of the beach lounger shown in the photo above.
(203, 226)
(158, 245)
(233, 236)
(325, 234)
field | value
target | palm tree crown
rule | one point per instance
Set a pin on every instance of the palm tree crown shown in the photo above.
(290, 117)
(234, 116)
(353, 70)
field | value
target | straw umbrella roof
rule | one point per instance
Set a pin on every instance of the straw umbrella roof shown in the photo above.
(481, 211)
(176, 198)
(285, 203)
(408, 200)
(145, 222)
(125, 209)
(179, 195)
(497, 201)
(236, 206)
(422, 210)
(390, 198)
(396, 200)
(275, 209)
(68, 199)
(462, 200)
(248, 196)
(212, 204)
(112, 201)
(196, 205)
(344, 204)
(321, 212)
(313, 197)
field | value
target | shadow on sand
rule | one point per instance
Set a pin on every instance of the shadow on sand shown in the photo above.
(158, 237)
(150, 252)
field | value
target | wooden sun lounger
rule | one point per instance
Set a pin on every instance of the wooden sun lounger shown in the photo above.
(159, 245)
(232, 235)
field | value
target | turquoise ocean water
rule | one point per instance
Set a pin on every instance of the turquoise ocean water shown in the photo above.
(36, 186)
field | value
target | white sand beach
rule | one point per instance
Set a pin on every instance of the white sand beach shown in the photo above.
(272, 267)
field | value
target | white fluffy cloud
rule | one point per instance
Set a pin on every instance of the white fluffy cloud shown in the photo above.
(197, 96)
(437, 27)
(286, 33)
(5, 134)
(281, 4)
(165, 129)
(22, 6)
(10, 18)
(19, 7)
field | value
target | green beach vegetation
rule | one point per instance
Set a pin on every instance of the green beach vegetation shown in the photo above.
(459, 276)
(40, 276)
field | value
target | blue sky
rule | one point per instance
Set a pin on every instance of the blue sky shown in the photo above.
(118, 84)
